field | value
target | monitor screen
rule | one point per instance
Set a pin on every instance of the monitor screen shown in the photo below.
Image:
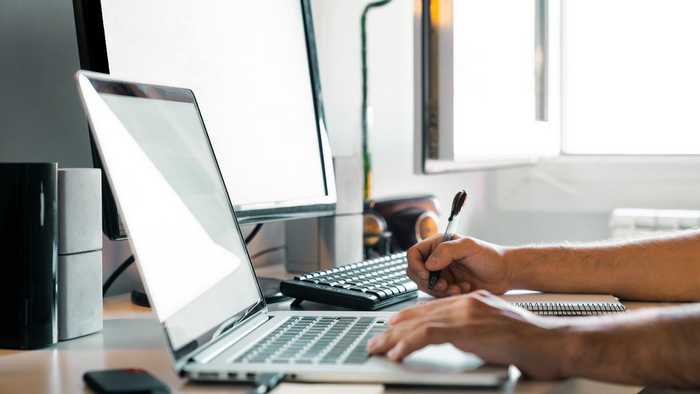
(181, 225)
(252, 66)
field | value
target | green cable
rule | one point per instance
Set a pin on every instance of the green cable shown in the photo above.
(366, 158)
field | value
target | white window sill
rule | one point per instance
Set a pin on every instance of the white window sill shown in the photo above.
(566, 158)
(432, 166)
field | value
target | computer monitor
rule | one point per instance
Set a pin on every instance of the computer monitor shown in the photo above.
(254, 70)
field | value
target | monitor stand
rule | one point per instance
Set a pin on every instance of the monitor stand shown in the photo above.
(140, 298)
(270, 288)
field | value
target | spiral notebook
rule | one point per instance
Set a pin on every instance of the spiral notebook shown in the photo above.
(554, 304)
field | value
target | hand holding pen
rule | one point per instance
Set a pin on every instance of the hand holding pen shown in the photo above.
(461, 266)
(457, 204)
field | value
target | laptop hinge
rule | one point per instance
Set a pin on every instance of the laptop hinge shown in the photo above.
(229, 339)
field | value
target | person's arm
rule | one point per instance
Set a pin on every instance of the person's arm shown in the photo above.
(655, 347)
(662, 269)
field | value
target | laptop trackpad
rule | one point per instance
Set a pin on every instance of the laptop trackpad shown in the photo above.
(443, 358)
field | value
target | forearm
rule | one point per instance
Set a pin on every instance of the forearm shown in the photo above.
(656, 347)
(665, 269)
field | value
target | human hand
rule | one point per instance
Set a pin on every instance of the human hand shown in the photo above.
(467, 264)
(483, 324)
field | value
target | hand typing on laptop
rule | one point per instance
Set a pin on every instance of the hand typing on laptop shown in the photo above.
(479, 323)
(647, 347)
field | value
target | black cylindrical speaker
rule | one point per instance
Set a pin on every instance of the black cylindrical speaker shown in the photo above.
(29, 247)
(412, 225)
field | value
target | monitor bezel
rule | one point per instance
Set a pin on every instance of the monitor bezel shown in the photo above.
(93, 56)
(102, 83)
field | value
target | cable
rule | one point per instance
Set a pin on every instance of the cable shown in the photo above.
(122, 267)
(367, 163)
(253, 233)
(266, 251)
(267, 382)
(270, 287)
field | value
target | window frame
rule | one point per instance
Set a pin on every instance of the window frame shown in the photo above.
(578, 166)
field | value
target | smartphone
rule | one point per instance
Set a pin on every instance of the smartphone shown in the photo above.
(124, 381)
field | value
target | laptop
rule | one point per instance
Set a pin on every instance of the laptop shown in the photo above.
(196, 270)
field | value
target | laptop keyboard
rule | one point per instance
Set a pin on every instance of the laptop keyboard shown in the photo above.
(316, 340)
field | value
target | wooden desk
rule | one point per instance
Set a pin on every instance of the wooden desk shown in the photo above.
(132, 338)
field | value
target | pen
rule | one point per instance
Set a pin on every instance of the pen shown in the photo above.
(457, 204)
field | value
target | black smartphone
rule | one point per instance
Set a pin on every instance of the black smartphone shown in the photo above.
(124, 381)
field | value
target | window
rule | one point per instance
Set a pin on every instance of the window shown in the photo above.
(493, 75)
(510, 81)
(631, 77)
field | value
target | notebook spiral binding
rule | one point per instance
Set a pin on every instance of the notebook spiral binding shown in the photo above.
(571, 309)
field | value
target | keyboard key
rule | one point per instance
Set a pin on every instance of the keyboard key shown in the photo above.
(410, 286)
(388, 290)
(378, 293)
(394, 289)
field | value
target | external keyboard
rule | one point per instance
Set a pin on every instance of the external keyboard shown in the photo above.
(315, 340)
(367, 285)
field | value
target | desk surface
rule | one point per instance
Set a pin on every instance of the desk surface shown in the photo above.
(133, 338)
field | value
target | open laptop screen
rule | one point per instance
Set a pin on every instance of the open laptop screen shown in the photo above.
(181, 225)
